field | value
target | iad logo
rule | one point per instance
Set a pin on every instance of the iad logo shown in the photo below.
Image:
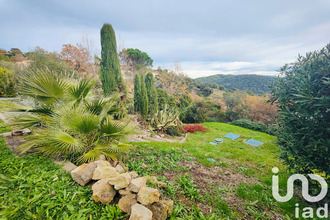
(307, 211)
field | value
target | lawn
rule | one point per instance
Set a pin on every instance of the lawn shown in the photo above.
(236, 186)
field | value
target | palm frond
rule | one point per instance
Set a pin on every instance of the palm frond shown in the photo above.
(115, 129)
(42, 85)
(79, 92)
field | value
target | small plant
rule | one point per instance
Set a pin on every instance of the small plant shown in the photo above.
(193, 128)
(189, 188)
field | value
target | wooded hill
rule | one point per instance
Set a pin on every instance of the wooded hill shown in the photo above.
(254, 83)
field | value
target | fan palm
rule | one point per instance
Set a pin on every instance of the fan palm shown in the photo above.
(74, 122)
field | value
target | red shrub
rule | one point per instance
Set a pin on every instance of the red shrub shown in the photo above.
(194, 128)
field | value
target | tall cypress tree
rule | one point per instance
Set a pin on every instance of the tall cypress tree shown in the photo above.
(111, 77)
(152, 93)
(143, 99)
(137, 92)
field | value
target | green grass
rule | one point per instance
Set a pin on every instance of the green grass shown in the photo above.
(26, 191)
(3, 127)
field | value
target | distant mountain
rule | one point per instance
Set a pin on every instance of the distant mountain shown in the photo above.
(255, 83)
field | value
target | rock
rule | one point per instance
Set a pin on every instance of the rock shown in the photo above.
(120, 181)
(139, 212)
(68, 166)
(84, 173)
(147, 195)
(136, 184)
(103, 191)
(133, 174)
(7, 134)
(102, 172)
(227, 173)
(143, 165)
(153, 180)
(126, 202)
(120, 169)
(103, 163)
(17, 133)
(114, 163)
(53, 193)
(26, 131)
(159, 211)
(123, 192)
(169, 204)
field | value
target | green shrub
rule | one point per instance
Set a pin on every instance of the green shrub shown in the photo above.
(256, 126)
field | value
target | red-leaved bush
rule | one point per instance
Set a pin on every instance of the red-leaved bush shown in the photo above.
(194, 128)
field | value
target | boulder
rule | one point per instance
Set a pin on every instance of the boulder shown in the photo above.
(120, 181)
(84, 173)
(136, 184)
(103, 191)
(26, 131)
(133, 174)
(139, 212)
(169, 204)
(17, 133)
(102, 172)
(103, 163)
(68, 166)
(123, 192)
(126, 202)
(147, 195)
(120, 169)
(159, 211)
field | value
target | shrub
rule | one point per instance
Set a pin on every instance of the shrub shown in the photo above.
(175, 131)
(193, 128)
(256, 126)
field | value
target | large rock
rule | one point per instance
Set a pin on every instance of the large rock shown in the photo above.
(169, 204)
(103, 163)
(126, 202)
(147, 195)
(84, 173)
(159, 211)
(133, 174)
(136, 184)
(102, 172)
(68, 166)
(103, 191)
(120, 169)
(120, 181)
(139, 212)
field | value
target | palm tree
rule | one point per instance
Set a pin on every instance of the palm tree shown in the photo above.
(74, 122)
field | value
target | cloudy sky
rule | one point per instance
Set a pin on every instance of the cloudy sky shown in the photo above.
(206, 36)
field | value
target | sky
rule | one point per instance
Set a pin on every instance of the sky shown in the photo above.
(206, 37)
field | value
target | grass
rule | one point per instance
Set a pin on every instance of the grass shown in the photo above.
(3, 127)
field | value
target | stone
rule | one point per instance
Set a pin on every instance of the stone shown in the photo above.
(227, 173)
(159, 211)
(169, 204)
(126, 202)
(68, 166)
(17, 133)
(123, 192)
(103, 163)
(136, 184)
(153, 180)
(120, 169)
(103, 191)
(53, 193)
(147, 195)
(143, 165)
(121, 181)
(123, 165)
(133, 174)
(84, 173)
(26, 131)
(139, 212)
(102, 172)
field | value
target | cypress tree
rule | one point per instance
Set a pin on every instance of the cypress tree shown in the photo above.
(111, 77)
(143, 99)
(152, 93)
(137, 92)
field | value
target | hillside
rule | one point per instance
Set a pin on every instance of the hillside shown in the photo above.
(255, 83)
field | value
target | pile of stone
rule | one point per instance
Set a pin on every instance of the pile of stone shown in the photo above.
(114, 181)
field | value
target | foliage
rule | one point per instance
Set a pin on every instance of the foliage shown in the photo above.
(135, 57)
(137, 92)
(26, 191)
(189, 188)
(7, 83)
(255, 83)
(163, 119)
(77, 57)
(303, 97)
(165, 100)
(112, 80)
(193, 128)
(3, 127)
(76, 124)
(204, 89)
(256, 126)
(175, 131)
(199, 112)
(143, 99)
(152, 93)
